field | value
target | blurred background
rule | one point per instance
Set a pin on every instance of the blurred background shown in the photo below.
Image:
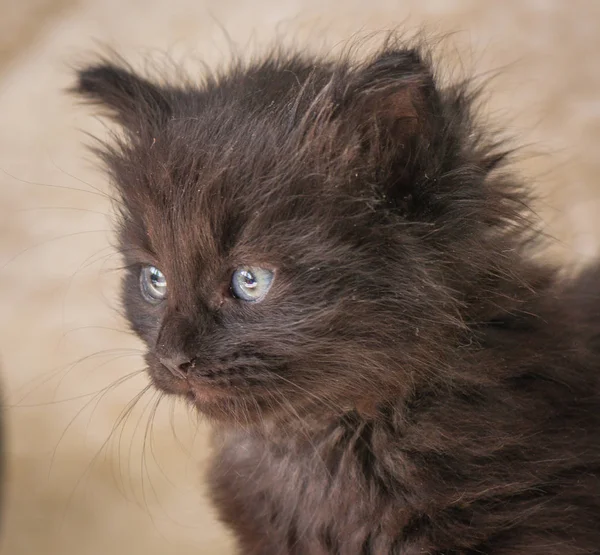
(95, 464)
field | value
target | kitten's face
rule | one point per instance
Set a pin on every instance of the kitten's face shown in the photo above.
(265, 292)
(281, 231)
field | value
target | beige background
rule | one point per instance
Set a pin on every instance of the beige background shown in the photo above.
(86, 475)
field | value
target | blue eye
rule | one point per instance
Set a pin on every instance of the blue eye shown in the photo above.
(251, 284)
(153, 284)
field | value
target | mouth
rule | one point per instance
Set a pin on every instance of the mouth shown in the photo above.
(220, 404)
(222, 395)
(203, 392)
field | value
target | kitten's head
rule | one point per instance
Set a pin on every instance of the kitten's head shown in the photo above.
(301, 235)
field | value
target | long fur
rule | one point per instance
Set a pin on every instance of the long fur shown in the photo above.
(414, 382)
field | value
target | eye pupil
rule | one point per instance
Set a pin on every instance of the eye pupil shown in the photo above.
(249, 280)
(156, 278)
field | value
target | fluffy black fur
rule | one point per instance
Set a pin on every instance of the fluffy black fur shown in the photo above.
(413, 383)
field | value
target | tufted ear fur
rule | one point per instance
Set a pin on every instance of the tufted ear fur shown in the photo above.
(392, 102)
(432, 163)
(129, 99)
(394, 93)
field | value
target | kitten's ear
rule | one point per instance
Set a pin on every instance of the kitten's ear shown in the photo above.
(129, 99)
(394, 97)
(395, 107)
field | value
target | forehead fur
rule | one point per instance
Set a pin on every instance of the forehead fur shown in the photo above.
(288, 139)
(267, 142)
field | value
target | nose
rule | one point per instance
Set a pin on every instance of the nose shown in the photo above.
(175, 345)
(178, 365)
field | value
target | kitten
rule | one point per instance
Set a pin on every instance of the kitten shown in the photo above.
(329, 260)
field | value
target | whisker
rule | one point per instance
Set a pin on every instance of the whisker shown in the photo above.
(69, 208)
(98, 397)
(325, 400)
(76, 397)
(151, 441)
(89, 467)
(87, 183)
(126, 353)
(66, 368)
(96, 192)
(51, 240)
(104, 328)
(120, 423)
(81, 267)
(143, 461)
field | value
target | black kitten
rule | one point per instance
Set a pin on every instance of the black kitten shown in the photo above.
(328, 259)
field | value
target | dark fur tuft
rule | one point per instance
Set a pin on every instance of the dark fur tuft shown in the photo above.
(127, 97)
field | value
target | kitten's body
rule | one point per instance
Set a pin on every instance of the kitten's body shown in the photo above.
(505, 468)
(411, 383)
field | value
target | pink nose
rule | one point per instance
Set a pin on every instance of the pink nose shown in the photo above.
(177, 365)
